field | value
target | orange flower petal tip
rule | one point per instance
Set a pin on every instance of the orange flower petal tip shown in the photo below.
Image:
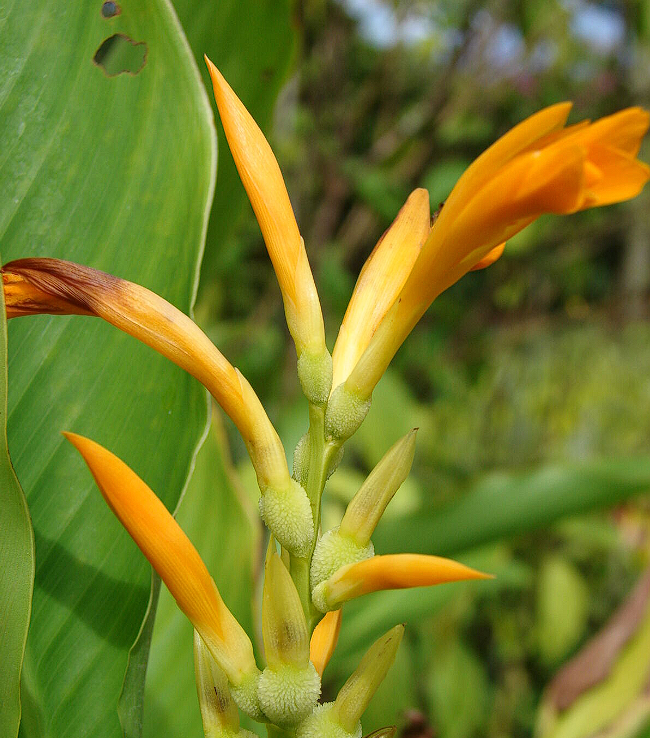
(324, 640)
(394, 571)
(489, 258)
(157, 534)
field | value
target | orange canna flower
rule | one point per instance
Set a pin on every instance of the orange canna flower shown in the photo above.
(173, 556)
(392, 571)
(264, 184)
(324, 640)
(538, 167)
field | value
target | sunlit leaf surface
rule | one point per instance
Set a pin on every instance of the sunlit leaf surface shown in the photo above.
(115, 172)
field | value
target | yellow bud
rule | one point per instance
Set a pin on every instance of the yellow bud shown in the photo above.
(368, 505)
(289, 687)
(380, 281)
(284, 628)
(262, 179)
(393, 571)
(173, 556)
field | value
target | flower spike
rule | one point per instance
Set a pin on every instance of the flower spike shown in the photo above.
(262, 179)
(324, 640)
(392, 571)
(538, 167)
(173, 556)
(55, 286)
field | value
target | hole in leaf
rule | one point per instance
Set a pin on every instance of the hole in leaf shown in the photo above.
(110, 9)
(119, 54)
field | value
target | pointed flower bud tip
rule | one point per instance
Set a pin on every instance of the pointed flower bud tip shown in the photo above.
(172, 555)
(284, 628)
(324, 640)
(380, 281)
(394, 571)
(368, 505)
(356, 693)
(290, 686)
(262, 179)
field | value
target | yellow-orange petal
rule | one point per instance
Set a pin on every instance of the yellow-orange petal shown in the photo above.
(324, 640)
(267, 192)
(172, 555)
(380, 281)
(512, 143)
(614, 177)
(489, 258)
(394, 571)
(58, 286)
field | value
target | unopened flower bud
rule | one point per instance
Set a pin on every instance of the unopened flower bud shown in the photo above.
(368, 505)
(218, 710)
(341, 719)
(324, 639)
(178, 563)
(393, 571)
(359, 689)
(289, 686)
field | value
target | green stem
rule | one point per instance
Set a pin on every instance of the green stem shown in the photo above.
(321, 453)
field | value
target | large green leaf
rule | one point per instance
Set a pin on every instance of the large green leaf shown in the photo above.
(16, 564)
(214, 515)
(115, 172)
(252, 42)
(508, 503)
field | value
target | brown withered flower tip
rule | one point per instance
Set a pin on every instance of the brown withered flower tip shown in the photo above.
(53, 286)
